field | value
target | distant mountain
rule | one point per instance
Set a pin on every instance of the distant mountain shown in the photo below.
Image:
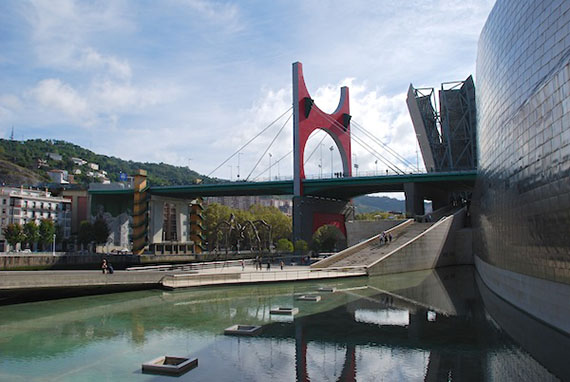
(34, 156)
(368, 203)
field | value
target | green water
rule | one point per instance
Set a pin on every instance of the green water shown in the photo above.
(406, 327)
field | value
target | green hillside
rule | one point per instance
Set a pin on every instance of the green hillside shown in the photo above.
(32, 155)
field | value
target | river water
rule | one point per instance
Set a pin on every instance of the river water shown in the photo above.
(442, 325)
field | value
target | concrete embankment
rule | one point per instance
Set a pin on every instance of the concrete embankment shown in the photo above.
(23, 286)
(92, 261)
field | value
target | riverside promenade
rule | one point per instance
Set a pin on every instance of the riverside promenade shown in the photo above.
(27, 284)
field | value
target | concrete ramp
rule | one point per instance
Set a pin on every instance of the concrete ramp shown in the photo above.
(371, 250)
(435, 247)
(415, 246)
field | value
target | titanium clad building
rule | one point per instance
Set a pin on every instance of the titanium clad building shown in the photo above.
(523, 108)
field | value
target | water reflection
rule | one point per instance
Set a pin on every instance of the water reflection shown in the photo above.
(431, 325)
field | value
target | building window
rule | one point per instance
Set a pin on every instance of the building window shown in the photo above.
(169, 223)
(4, 201)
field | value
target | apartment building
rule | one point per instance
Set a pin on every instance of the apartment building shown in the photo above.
(20, 205)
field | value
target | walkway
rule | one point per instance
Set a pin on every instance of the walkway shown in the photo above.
(21, 281)
(375, 251)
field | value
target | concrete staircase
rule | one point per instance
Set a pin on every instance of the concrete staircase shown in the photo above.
(375, 251)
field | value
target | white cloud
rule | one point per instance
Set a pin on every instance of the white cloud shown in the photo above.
(226, 15)
(55, 94)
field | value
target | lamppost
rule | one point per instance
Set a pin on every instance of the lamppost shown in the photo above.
(53, 247)
(270, 166)
(239, 155)
(331, 149)
(417, 155)
(355, 164)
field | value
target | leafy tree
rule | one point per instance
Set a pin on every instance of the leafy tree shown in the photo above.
(284, 245)
(281, 224)
(301, 246)
(47, 230)
(31, 233)
(326, 238)
(100, 230)
(14, 234)
(85, 233)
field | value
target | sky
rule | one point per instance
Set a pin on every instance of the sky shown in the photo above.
(188, 82)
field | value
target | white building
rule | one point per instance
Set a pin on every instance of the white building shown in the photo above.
(78, 161)
(93, 166)
(58, 176)
(54, 156)
(20, 205)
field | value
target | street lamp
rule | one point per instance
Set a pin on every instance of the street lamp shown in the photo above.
(270, 166)
(53, 248)
(239, 155)
(331, 149)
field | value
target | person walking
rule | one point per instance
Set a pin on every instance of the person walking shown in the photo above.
(268, 264)
(104, 266)
(281, 264)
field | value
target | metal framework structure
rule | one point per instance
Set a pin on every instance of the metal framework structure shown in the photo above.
(447, 137)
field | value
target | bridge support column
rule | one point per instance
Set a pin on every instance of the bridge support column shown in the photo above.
(417, 193)
(414, 200)
(310, 213)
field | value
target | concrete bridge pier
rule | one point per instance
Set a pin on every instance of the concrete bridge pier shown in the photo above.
(416, 193)
(310, 213)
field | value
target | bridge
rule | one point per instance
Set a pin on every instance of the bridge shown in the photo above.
(316, 202)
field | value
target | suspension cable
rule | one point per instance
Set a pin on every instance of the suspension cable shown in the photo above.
(371, 136)
(273, 164)
(251, 140)
(268, 147)
(362, 142)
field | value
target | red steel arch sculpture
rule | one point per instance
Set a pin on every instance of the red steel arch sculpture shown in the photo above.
(308, 215)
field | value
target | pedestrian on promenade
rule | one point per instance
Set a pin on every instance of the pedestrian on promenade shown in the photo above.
(242, 264)
(281, 264)
(268, 264)
(104, 266)
(390, 237)
(110, 269)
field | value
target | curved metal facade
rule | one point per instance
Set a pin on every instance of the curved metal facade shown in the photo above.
(523, 111)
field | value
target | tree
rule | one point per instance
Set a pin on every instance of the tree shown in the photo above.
(326, 238)
(284, 245)
(281, 224)
(14, 234)
(301, 246)
(31, 233)
(100, 230)
(47, 230)
(85, 234)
